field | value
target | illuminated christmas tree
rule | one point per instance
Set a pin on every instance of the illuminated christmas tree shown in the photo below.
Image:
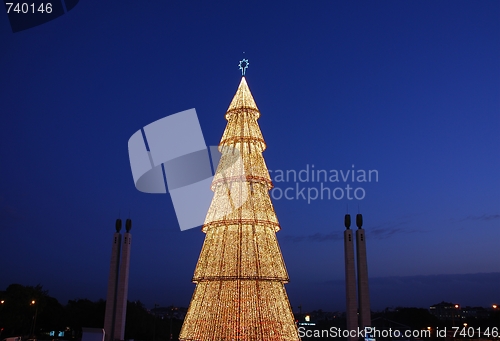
(240, 274)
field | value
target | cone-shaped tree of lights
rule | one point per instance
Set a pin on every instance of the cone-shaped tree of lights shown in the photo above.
(240, 274)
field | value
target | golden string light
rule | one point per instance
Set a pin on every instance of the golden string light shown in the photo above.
(240, 274)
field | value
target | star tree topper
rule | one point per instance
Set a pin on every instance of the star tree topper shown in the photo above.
(243, 66)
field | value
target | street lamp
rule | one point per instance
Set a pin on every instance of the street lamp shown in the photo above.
(456, 306)
(33, 302)
(494, 306)
(1, 329)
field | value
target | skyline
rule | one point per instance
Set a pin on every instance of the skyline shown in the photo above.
(411, 90)
(480, 284)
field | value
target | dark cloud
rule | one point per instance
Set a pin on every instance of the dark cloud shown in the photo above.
(391, 228)
(480, 289)
(484, 217)
(385, 232)
(317, 237)
(376, 232)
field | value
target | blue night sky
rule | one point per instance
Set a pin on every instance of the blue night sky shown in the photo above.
(408, 88)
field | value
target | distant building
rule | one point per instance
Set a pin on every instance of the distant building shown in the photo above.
(306, 321)
(446, 311)
(318, 316)
(475, 313)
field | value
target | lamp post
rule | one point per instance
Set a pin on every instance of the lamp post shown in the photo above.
(455, 307)
(171, 308)
(33, 302)
(1, 328)
(154, 323)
